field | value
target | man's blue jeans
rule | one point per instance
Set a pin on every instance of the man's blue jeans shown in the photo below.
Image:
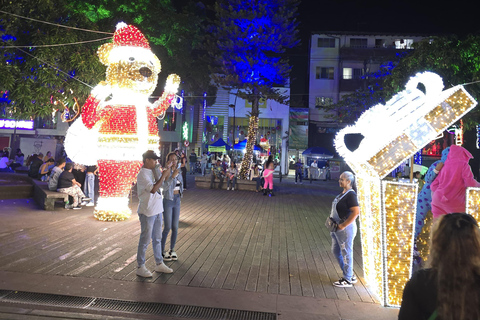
(342, 249)
(171, 218)
(192, 167)
(89, 186)
(299, 175)
(151, 228)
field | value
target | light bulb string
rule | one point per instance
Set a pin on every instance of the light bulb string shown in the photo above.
(52, 66)
(55, 24)
(56, 45)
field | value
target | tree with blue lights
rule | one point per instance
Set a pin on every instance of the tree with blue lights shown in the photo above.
(249, 40)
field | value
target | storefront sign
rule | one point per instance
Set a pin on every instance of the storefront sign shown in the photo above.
(20, 124)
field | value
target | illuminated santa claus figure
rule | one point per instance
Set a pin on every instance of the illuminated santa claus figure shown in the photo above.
(118, 123)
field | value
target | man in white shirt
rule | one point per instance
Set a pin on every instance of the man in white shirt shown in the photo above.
(150, 214)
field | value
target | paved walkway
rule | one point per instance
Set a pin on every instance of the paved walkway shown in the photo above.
(238, 245)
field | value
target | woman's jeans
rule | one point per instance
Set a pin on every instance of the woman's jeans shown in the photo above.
(151, 227)
(342, 249)
(231, 181)
(259, 180)
(171, 219)
(89, 187)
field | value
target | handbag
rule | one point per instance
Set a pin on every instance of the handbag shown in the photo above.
(331, 225)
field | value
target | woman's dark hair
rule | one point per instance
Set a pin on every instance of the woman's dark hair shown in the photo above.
(68, 166)
(455, 261)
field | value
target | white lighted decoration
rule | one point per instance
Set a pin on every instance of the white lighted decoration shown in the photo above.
(391, 134)
(118, 123)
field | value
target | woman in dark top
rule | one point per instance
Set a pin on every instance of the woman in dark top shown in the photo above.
(450, 289)
(345, 210)
(183, 168)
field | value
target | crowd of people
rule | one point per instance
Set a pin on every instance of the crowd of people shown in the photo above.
(447, 288)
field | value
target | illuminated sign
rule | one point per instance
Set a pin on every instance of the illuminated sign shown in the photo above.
(185, 131)
(19, 124)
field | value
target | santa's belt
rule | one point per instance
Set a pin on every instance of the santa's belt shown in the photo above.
(107, 140)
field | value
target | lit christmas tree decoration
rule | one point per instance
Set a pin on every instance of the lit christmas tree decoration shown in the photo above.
(393, 133)
(118, 123)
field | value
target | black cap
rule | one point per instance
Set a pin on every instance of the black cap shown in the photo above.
(150, 155)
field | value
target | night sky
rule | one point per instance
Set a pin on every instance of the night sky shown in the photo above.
(404, 17)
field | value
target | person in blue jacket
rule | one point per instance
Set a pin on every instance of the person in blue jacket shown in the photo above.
(424, 200)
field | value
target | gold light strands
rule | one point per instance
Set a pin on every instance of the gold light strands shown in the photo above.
(400, 201)
(472, 202)
(391, 134)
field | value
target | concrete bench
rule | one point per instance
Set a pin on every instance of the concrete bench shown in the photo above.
(46, 198)
(204, 183)
(15, 186)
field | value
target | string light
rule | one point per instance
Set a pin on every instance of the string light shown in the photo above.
(118, 123)
(391, 134)
(247, 159)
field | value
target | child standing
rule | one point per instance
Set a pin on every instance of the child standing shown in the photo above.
(268, 176)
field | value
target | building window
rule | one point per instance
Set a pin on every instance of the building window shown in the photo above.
(324, 73)
(45, 123)
(326, 43)
(404, 44)
(323, 102)
(357, 73)
(358, 42)
(352, 73)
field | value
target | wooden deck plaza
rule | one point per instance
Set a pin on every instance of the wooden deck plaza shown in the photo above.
(237, 240)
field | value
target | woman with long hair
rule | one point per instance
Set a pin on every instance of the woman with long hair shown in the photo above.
(172, 194)
(345, 210)
(450, 288)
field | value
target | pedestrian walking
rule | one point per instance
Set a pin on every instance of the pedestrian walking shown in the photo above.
(183, 168)
(193, 161)
(172, 194)
(345, 211)
(89, 186)
(268, 177)
(450, 288)
(448, 189)
(150, 212)
(203, 162)
(298, 171)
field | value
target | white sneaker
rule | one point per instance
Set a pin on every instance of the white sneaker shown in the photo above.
(228, 188)
(163, 268)
(90, 204)
(84, 203)
(143, 272)
(233, 189)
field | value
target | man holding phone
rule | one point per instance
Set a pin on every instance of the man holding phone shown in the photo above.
(150, 214)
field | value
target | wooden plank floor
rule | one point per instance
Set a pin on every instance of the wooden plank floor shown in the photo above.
(235, 240)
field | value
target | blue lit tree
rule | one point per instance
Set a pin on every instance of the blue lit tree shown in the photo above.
(248, 41)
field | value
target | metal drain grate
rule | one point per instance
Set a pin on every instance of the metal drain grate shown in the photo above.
(181, 311)
(47, 299)
(99, 304)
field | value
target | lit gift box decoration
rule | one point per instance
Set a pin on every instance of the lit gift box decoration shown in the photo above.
(391, 134)
(472, 202)
(118, 123)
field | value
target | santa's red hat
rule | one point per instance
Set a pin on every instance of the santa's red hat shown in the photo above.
(128, 35)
